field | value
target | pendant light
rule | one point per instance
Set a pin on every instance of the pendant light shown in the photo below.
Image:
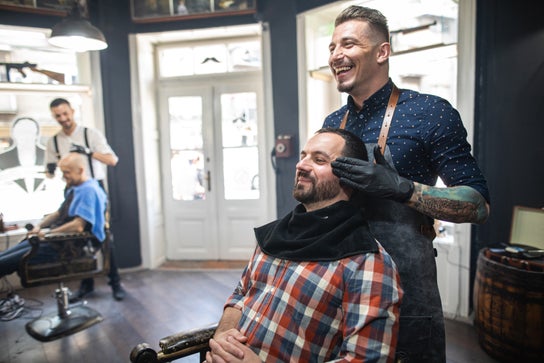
(77, 33)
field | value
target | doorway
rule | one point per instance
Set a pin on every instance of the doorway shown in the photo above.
(203, 66)
(211, 162)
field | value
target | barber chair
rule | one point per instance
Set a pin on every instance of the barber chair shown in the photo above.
(81, 256)
(175, 346)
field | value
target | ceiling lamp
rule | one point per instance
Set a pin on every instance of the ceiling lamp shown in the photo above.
(77, 33)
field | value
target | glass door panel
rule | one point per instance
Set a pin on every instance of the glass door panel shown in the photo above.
(186, 148)
(239, 145)
(241, 171)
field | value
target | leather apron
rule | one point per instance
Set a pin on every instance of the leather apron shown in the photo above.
(407, 236)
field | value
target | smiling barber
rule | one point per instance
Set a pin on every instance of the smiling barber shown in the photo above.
(421, 137)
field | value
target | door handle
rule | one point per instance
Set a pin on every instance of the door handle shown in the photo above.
(209, 180)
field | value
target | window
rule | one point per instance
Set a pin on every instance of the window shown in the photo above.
(32, 74)
(236, 56)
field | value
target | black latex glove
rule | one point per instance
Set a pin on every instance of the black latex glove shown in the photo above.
(377, 180)
(80, 149)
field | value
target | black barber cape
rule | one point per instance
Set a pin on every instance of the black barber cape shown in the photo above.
(327, 234)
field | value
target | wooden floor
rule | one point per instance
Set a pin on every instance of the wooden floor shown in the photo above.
(158, 303)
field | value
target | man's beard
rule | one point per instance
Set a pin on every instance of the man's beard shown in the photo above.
(344, 87)
(317, 193)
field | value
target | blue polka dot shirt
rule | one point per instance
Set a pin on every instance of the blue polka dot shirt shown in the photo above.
(427, 138)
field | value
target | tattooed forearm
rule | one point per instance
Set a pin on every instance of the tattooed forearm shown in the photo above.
(460, 204)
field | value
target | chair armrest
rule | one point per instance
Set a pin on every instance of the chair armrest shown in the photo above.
(77, 258)
(175, 346)
(187, 340)
(52, 237)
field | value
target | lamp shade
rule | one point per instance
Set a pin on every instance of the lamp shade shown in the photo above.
(77, 34)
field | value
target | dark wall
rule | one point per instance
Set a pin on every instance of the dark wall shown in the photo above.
(114, 21)
(509, 112)
(282, 21)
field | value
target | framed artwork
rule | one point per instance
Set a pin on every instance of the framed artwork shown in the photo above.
(169, 10)
(47, 7)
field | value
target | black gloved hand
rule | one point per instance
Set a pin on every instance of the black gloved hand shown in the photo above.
(377, 180)
(80, 149)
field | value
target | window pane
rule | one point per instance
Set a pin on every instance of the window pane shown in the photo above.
(210, 59)
(239, 119)
(187, 158)
(174, 62)
(188, 175)
(241, 171)
(25, 192)
(239, 139)
(245, 56)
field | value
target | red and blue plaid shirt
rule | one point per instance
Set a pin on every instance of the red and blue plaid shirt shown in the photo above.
(335, 311)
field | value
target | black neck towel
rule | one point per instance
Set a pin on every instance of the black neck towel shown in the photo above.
(327, 234)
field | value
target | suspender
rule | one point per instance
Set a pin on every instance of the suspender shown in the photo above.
(56, 146)
(86, 144)
(393, 99)
(91, 159)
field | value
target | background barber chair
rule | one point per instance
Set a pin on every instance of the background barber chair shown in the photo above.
(175, 346)
(81, 255)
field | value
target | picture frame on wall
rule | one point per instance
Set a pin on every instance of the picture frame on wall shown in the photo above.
(170, 10)
(46, 7)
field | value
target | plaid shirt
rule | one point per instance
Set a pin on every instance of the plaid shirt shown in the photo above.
(335, 311)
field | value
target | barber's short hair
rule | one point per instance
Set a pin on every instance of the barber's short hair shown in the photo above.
(59, 101)
(374, 18)
(354, 147)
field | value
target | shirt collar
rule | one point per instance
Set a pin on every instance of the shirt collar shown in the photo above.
(378, 99)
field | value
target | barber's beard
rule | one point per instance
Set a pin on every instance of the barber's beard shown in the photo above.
(344, 87)
(317, 192)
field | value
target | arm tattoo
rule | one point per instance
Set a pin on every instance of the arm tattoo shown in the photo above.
(461, 204)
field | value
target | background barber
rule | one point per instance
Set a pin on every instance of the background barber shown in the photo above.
(93, 144)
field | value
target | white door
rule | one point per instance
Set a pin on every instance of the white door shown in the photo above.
(211, 163)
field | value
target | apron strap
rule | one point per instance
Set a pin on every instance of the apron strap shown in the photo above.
(388, 117)
(393, 98)
(344, 120)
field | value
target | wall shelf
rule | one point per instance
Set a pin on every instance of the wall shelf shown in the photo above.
(26, 88)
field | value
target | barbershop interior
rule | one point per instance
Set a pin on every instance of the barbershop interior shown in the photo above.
(207, 105)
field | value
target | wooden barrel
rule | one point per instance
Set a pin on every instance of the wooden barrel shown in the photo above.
(509, 309)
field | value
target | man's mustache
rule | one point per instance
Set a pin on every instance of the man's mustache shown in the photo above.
(303, 174)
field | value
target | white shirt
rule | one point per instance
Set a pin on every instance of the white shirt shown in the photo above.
(97, 143)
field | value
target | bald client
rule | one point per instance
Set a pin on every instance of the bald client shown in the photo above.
(83, 209)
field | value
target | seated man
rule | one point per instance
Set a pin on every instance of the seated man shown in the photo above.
(83, 209)
(318, 287)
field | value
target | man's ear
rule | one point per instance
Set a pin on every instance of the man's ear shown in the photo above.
(384, 51)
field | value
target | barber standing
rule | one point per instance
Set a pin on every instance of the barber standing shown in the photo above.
(91, 143)
(422, 138)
